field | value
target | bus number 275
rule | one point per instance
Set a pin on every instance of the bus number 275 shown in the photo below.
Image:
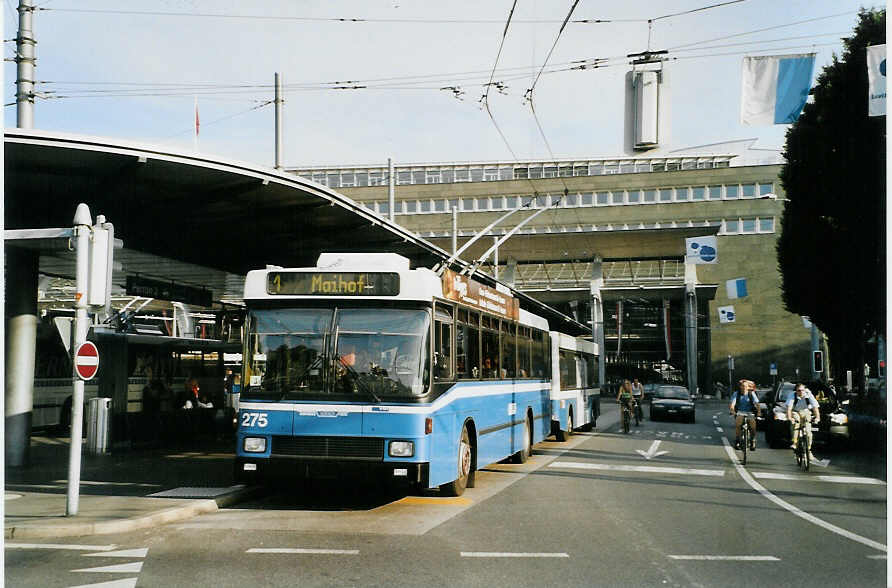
(254, 419)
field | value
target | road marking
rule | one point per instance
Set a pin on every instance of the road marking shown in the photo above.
(627, 468)
(726, 557)
(126, 583)
(793, 509)
(122, 553)
(459, 500)
(60, 546)
(127, 568)
(820, 478)
(876, 557)
(651, 452)
(509, 554)
(303, 551)
(720, 430)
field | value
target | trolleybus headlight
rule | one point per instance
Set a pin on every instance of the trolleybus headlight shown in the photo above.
(254, 444)
(402, 449)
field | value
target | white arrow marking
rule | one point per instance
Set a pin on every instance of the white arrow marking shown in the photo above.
(126, 583)
(122, 553)
(821, 463)
(652, 452)
(127, 568)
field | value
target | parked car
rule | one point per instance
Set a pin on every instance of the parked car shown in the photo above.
(672, 401)
(833, 428)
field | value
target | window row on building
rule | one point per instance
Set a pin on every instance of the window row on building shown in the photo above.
(577, 199)
(726, 226)
(448, 174)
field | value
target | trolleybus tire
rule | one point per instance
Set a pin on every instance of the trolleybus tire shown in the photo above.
(465, 460)
(524, 453)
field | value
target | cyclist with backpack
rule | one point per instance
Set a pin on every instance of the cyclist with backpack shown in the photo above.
(745, 401)
(800, 407)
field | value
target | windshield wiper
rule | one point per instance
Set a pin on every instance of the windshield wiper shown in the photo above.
(360, 385)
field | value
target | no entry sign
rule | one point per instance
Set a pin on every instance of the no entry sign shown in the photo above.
(86, 361)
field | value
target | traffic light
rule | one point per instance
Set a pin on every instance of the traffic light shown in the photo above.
(818, 362)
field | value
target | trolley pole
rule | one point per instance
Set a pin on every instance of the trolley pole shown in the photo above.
(391, 188)
(26, 64)
(278, 102)
(454, 229)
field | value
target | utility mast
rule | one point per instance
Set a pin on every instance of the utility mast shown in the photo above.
(24, 57)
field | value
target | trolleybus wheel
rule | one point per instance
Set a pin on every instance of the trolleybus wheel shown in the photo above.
(457, 486)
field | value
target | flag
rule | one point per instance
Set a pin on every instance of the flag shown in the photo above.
(736, 288)
(775, 88)
(701, 249)
(876, 80)
(726, 314)
(197, 123)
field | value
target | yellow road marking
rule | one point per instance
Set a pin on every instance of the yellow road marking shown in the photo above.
(458, 500)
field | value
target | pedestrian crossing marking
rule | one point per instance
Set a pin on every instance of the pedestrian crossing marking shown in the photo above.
(127, 568)
(122, 553)
(125, 583)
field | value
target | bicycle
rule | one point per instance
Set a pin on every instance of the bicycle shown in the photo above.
(803, 445)
(627, 416)
(745, 433)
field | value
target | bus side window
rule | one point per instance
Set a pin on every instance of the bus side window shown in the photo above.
(467, 345)
(443, 343)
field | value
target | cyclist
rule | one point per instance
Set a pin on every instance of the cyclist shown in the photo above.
(625, 396)
(745, 400)
(799, 406)
(638, 396)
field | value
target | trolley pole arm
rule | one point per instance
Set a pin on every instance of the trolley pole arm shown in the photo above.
(473, 267)
(474, 239)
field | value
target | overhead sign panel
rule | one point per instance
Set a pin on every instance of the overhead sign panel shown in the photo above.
(333, 284)
(462, 289)
(148, 288)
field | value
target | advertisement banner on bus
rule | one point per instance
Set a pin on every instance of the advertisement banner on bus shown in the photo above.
(462, 289)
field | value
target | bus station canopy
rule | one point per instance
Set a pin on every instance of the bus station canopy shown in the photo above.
(192, 219)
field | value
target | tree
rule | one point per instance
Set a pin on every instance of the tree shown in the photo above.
(832, 248)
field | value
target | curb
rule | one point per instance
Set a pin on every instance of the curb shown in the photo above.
(168, 515)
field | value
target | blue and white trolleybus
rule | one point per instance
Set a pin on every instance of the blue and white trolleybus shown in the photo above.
(361, 364)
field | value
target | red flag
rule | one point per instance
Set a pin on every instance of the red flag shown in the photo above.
(197, 123)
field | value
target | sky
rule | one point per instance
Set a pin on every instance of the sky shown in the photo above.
(107, 71)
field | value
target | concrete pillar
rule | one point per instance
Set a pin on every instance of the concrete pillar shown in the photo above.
(21, 345)
(596, 285)
(690, 324)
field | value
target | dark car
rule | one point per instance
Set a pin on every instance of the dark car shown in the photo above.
(834, 425)
(672, 401)
(867, 417)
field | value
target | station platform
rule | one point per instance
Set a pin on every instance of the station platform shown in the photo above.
(119, 492)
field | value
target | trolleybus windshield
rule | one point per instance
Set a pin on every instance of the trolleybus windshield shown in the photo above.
(337, 353)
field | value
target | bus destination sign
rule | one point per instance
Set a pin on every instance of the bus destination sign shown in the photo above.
(333, 284)
(462, 289)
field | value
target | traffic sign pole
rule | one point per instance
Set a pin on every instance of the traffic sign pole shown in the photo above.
(82, 222)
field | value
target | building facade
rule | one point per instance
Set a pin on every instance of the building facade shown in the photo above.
(624, 220)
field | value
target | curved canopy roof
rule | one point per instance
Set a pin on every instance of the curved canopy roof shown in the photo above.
(194, 219)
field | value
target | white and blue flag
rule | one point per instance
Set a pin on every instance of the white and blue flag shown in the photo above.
(701, 249)
(876, 80)
(775, 88)
(736, 288)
